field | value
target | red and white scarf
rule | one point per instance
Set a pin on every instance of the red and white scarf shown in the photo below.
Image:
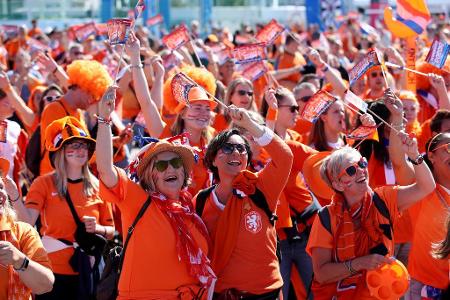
(189, 252)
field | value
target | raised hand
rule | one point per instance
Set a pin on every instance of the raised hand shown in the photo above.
(107, 103)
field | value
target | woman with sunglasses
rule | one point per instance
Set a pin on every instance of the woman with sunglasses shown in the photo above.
(166, 257)
(353, 234)
(239, 93)
(70, 148)
(282, 102)
(428, 218)
(238, 210)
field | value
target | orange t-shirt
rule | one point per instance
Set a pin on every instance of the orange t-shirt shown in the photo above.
(429, 220)
(56, 218)
(303, 127)
(52, 112)
(320, 237)
(253, 265)
(34, 31)
(29, 244)
(151, 269)
(287, 61)
(200, 174)
(295, 192)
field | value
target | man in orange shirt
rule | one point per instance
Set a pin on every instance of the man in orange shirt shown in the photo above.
(35, 30)
(88, 81)
(290, 58)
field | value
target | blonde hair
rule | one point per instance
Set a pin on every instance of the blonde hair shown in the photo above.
(90, 182)
(8, 212)
(332, 165)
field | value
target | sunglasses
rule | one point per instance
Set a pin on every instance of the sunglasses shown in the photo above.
(376, 74)
(292, 108)
(77, 146)
(51, 98)
(351, 170)
(162, 165)
(229, 148)
(304, 99)
(243, 93)
(443, 146)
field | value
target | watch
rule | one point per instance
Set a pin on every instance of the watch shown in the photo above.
(417, 161)
(24, 265)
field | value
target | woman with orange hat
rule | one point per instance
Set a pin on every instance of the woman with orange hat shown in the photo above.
(179, 264)
(68, 200)
(355, 232)
(428, 217)
(194, 119)
(24, 264)
(239, 210)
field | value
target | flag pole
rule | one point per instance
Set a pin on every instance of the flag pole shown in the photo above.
(209, 94)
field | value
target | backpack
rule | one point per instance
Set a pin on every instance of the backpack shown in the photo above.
(33, 154)
(257, 198)
(325, 220)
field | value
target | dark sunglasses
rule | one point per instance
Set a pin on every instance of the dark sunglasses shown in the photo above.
(447, 146)
(51, 98)
(243, 93)
(351, 170)
(77, 146)
(228, 148)
(162, 165)
(376, 74)
(304, 99)
(292, 108)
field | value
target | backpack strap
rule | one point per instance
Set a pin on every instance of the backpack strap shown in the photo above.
(202, 196)
(384, 211)
(130, 233)
(260, 201)
(324, 217)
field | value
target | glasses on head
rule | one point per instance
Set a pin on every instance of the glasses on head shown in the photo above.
(447, 146)
(51, 98)
(77, 146)
(304, 99)
(229, 148)
(292, 108)
(162, 165)
(376, 74)
(243, 93)
(351, 170)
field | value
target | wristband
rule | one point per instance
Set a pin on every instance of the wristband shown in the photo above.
(266, 138)
(12, 201)
(272, 114)
(138, 66)
(105, 121)
(24, 265)
(348, 265)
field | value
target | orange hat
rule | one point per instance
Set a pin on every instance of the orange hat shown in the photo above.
(4, 166)
(201, 76)
(63, 130)
(389, 281)
(146, 154)
(90, 76)
(311, 173)
(196, 94)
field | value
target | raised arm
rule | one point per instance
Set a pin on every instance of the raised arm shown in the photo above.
(424, 185)
(25, 113)
(153, 121)
(103, 146)
(52, 66)
(439, 84)
(158, 82)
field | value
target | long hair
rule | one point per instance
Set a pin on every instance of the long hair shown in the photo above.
(178, 127)
(442, 250)
(90, 182)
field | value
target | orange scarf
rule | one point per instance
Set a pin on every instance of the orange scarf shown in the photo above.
(228, 223)
(16, 289)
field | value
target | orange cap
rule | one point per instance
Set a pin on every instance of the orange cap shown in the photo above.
(389, 281)
(4, 166)
(311, 173)
(196, 94)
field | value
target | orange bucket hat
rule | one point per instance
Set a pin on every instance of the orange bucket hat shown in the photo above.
(4, 166)
(311, 173)
(63, 130)
(145, 155)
